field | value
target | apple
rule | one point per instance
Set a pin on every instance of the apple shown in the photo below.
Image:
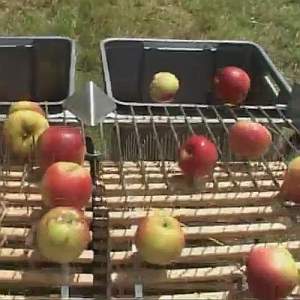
(62, 234)
(249, 139)
(66, 184)
(60, 143)
(290, 188)
(159, 238)
(22, 130)
(231, 85)
(26, 105)
(271, 273)
(164, 87)
(197, 156)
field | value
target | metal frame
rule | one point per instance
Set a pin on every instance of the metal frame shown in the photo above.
(179, 126)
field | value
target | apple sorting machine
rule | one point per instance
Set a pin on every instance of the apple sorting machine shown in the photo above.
(133, 158)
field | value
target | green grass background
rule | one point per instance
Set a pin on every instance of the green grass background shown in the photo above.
(274, 24)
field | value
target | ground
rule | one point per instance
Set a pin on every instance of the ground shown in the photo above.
(274, 24)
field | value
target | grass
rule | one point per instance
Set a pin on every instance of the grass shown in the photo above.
(274, 24)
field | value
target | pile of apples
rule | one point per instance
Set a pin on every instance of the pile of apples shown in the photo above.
(231, 85)
(66, 186)
(246, 139)
(197, 158)
(271, 272)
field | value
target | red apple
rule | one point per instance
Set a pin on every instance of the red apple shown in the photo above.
(290, 188)
(66, 184)
(26, 105)
(249, 139)
(159, 239)
(197, 156)
(60, 143)
(231, 85)
(62, 234)
(271, 273)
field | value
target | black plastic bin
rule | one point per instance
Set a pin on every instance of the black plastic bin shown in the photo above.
(129, 65)
(40, 69)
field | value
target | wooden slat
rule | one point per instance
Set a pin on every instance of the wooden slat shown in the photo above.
(222, 295)
(204, 215)
(15, 234)
(10, 186)
(153, 188)
(175, 288)
(207, 254)
(217, 231)
(193, 200)
(12, 175)
(22, 199)
(44, 278)
(179, 279)
(197, 296)
(151, 277)
(161, 188)
(15, 255)
(110, 166)
(19, 216)
(20, 168)
(155, 174)
(42, 297)
(245, 294)
(16, 173)
(134, 178)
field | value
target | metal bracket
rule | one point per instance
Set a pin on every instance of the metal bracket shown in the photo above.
(138, 291)
(293, 107)
(138, 285)
(94, 156)
(91, 105)
(65, 288)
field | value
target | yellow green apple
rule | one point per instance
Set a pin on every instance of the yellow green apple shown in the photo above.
(159, 238)
(62, 234)
(164, 87)
(26, 105)
(21, 131)
(290, 188)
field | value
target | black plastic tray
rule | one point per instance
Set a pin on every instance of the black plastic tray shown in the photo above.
(41, 69)
(129, 64)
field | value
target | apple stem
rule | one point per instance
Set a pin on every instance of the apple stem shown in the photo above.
(216, 241)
